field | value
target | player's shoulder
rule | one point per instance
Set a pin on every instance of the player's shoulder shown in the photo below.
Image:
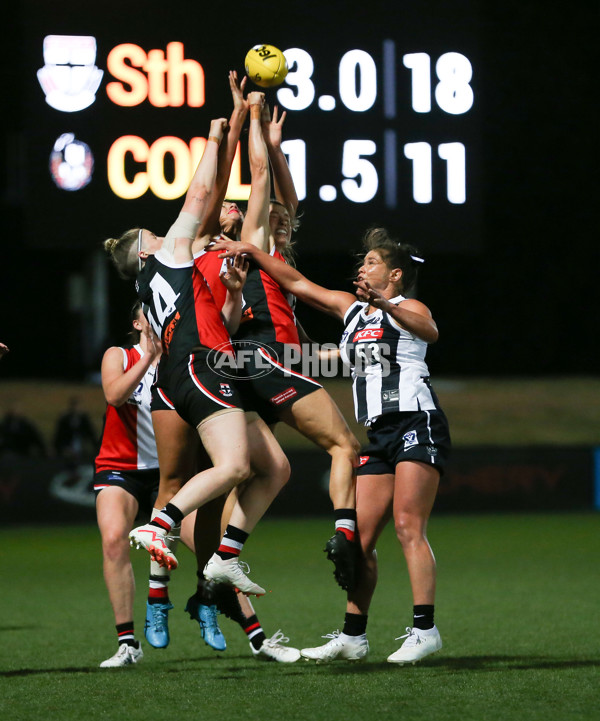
(353, 310)
(414, 305)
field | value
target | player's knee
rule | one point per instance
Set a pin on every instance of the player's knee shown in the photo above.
(355, 445)
(367, 545)
(115, 544)
(282, 471)
(408, 528)
(237, 471)
(348, 447)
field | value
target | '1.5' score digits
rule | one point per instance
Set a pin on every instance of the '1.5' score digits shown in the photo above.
(358, 89)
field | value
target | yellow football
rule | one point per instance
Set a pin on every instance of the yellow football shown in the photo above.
(266, 65)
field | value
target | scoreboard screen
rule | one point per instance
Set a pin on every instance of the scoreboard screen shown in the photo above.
(382, 126)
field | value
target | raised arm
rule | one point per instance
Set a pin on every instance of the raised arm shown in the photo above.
(411, 314)
(284, 188)
(256, 229)
(334, 302)
(178, 241)
(119, 384)
(210, 225)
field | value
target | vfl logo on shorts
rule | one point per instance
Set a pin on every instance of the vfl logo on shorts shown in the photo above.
(432, 450)
(115, 477)
(225, 390)
(410, 439)
(362, 460)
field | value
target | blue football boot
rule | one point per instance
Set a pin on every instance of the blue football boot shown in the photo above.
(156, 628)
(209, 627)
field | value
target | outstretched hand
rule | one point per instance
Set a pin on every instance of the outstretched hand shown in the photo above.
(153, 344)
(367, 294)
(272, 127)
(240, 103)
(235, 276)
(229, 248)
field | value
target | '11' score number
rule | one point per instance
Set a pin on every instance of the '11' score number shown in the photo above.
(358, 91)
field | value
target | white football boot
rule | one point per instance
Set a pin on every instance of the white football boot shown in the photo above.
(233, 572)
(418, 644)
(272, 649)
(154, 540)
(125, 656)
(341, 647)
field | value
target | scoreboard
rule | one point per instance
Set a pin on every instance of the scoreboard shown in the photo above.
(382, 128)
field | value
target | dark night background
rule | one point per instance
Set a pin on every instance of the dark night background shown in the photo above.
(524, 302)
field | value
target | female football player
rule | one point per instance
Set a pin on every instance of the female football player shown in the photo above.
(384, 341)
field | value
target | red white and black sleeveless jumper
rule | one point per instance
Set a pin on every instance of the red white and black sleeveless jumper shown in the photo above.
(180, 308)
(128, 437)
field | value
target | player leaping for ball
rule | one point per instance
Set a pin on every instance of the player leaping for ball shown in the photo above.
(181, 309)
(268, 324)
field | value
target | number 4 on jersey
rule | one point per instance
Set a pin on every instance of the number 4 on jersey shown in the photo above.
(163, 303)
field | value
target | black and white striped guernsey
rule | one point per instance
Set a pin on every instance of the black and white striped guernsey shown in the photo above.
(389, 372)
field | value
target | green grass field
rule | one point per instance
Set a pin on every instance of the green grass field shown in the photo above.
(517, 608)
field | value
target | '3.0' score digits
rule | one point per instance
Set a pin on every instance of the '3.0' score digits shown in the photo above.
(363, 87)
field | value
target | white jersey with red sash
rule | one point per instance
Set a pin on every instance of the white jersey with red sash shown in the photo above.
(128, 437)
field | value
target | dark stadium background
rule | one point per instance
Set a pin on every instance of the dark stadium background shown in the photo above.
(523, 302)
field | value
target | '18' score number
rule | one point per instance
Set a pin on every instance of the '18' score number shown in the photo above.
(358, 91)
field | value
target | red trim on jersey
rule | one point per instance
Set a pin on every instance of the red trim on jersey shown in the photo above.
(210, 265)
(119, 447)
(280, 312)
(209, 324)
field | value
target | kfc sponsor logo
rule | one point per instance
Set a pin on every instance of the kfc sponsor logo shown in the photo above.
(367, 334)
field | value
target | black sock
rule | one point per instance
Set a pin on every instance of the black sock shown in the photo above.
(125, 633)
(226, 600)
(355, 624)
(232, 543)
(253, 630)
(175, 513)
(423, 617)
(169, 517)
